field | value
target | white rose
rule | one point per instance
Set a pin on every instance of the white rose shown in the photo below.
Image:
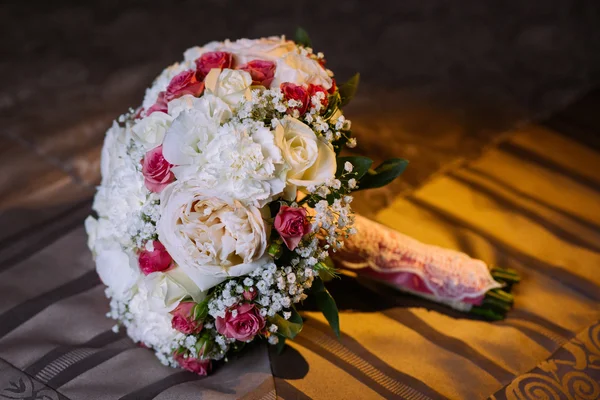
(270, 49)
(167, 289)
(311, 161)
(208, 238)
(299, 69)
(230, 85)
(196, 125)
(117, 269)
(150, 131)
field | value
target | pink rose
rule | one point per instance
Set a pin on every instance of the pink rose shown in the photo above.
(244, 326)
(314, 89)
(183, 320)
(262, 72)
(249, 294)
(210, 60)
(156, 260)
(160, 105)
(156, 170)
(192, 364)
(184, 83)
(292, 91)
(292, 225)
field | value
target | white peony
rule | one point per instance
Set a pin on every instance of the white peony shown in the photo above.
(122, 192)
(114, 151)
(310, 160)
(166, 289)
(299, 69)
(244, 163)
(150, 131)
(150, 327)
(230, 85)
(209, 238)
(117, 268)
(196, 125)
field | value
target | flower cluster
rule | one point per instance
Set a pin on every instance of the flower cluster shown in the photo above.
(221, 199)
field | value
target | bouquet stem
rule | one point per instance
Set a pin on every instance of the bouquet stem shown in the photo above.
(442, 275)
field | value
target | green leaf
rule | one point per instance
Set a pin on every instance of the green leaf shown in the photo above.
(317, 286)
(332, 106)
(386, 172)
(348, 89)
(200, 310)
(288, 328)
(360, 166)
(302, 38)
(327, 274)
(280, 345)
(327, 305)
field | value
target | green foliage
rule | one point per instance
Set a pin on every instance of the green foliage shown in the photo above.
(280, 344)
(360, 165)
(386, 172)
(333, 105)
(302, 38)
(288, 328)
(326, 305)
(200, 310)
(348, 89)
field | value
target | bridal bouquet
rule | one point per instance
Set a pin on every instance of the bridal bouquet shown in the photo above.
(223, 196)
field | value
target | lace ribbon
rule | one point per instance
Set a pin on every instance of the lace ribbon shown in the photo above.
(442, 275)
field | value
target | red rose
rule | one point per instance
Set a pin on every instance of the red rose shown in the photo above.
(262, 72)
(298, 93)
(156, 260)
(292, 225)
(156, 170)
(210, 60)
(314, 89)
(184, 83)
(192, 364)
(246, 324)
(183, 320)
(160, 105)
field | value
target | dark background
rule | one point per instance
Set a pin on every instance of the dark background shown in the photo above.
(440, 79)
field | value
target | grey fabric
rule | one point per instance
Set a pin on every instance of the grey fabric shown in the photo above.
(522, 204)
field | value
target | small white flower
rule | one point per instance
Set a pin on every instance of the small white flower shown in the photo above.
(348, 166)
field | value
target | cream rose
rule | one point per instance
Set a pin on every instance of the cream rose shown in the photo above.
(299, 69)
(311, 161)
(229, 85)
(151, 130)
(166, 289)
(270, 48)
(209, 238)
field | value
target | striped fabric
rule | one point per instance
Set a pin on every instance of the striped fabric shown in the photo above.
(530, 203)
